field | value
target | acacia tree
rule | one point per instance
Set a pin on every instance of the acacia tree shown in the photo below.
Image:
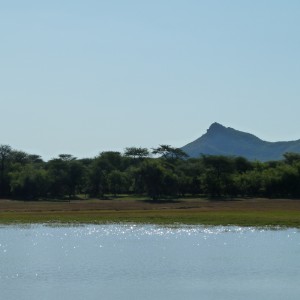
(136, 152)
(169, 152)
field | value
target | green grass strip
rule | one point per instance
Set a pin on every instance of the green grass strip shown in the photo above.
(239, 218)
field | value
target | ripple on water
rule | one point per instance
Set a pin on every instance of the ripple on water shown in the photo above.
(148, 262)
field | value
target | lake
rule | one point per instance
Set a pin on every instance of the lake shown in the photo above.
(148, 262)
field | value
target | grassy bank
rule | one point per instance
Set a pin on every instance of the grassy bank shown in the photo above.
(251, 212)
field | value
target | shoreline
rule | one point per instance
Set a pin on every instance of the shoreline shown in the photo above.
(197, 211)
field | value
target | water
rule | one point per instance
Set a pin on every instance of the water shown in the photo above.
(148, 262)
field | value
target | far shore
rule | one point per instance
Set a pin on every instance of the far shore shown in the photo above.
(200, 211)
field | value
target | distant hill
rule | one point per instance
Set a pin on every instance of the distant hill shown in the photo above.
(221, 140)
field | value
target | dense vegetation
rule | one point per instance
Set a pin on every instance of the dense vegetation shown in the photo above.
(167, 175)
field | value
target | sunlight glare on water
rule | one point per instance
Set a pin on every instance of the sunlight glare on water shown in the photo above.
(148, 262)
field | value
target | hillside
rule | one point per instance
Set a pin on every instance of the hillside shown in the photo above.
(221, 140)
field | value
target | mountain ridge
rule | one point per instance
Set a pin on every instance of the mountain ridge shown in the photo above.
(221, 140)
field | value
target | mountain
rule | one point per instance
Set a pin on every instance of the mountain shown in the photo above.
(221, 140)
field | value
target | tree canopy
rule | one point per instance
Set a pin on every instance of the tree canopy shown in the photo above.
(170, 174)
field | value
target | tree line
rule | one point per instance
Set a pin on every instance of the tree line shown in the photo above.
(161, 173)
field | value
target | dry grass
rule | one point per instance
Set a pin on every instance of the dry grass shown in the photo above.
(245, 212)
(198, 204)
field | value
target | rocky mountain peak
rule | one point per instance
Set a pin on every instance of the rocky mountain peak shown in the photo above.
(221, 140)
(215, 128)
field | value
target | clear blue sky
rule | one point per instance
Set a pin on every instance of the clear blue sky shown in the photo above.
(82, 77)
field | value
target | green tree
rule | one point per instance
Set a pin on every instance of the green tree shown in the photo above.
(168, 152)
(250, 183)
(66, 175)
(136, 152)
(29, 182)
(152, 176)
(171, 183)
(242, 165)
(291, 158)
(5, 156)
(118, 182)
(217, 176)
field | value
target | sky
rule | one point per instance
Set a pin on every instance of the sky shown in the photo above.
(82, 77)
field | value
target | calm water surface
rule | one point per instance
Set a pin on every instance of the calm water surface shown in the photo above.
(148, 262)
